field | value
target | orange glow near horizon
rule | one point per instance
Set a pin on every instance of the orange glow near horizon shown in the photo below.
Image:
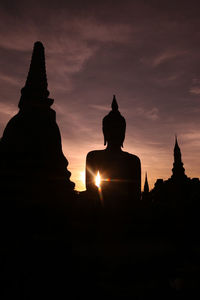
(82, 177)
(78, 177)
(156, 164)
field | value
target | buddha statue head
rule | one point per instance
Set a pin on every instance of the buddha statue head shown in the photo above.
(114, 126)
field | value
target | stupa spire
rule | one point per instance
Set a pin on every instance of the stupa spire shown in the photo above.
(177, 151)
(35, 92)
(146, 184)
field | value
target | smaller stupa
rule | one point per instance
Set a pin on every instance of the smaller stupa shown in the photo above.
(178, 171)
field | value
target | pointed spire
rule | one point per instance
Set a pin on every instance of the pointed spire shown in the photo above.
(114, 104)
(35, 91)
(177, 150)
(146, 184)
(176, 143)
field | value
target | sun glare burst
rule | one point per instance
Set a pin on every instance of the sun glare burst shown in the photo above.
(98, 180)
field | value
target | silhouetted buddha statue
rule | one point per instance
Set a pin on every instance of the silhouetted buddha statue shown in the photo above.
(120, 171)
(31, 154)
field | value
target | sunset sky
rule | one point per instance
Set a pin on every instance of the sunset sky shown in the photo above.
(147, 53)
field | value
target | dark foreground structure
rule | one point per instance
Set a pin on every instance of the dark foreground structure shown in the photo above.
(58, 243)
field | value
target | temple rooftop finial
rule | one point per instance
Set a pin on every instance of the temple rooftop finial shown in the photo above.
(35, 91)
(114, 104)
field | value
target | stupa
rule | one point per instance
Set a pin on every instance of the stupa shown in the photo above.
(32, 163)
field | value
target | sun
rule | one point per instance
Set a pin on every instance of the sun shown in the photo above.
(98, 180)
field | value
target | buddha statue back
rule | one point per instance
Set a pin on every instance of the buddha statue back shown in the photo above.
(120, 171)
